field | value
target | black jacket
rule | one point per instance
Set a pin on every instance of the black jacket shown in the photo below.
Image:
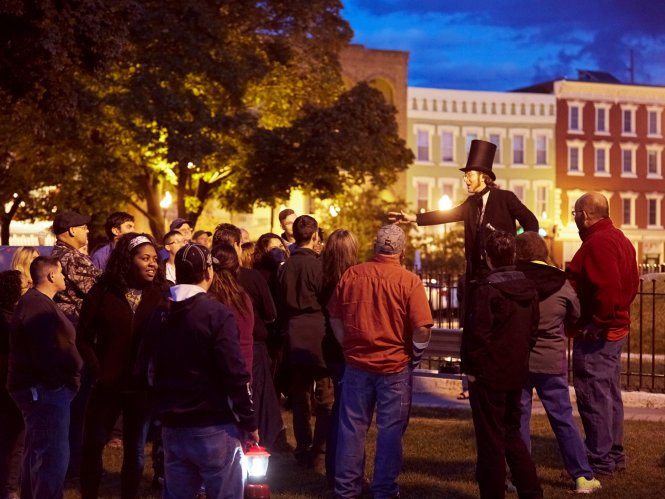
(108, 334)
(42, 345)
(502, 327)
(502, 210)
(200, 375)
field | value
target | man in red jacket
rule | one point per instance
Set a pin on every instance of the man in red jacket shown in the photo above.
(604, 274)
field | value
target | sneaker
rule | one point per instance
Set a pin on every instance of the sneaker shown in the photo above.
(584, 486)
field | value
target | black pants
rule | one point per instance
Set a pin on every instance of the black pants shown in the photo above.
(11, 445)
(311, 392)
(496, 421)
(104, 407)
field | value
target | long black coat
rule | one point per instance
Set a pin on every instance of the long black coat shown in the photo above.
(502, 211)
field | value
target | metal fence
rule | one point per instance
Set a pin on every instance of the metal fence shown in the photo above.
(643, 359)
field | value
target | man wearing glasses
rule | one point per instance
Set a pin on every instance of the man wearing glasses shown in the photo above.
(173, 241)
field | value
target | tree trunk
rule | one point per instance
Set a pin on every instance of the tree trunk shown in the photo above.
(150, 186)
(6, 219)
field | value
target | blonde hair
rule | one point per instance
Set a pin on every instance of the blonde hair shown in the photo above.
(23, 257)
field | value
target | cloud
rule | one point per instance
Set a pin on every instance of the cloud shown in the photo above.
(513, 43)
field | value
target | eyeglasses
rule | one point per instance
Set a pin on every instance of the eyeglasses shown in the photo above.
(575, 212)
(175, 241)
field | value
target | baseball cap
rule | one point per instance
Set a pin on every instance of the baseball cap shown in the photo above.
(179, 222)
(65, 220)
(389, 240)
(200, 233)
(191, 261)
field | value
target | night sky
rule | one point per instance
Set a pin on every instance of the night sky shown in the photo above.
(506, 44)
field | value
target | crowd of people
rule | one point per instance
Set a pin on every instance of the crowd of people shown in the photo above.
(197, 342)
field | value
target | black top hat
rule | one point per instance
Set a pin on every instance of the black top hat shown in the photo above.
(481, 157)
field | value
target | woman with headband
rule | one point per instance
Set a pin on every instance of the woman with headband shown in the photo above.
(114, 316)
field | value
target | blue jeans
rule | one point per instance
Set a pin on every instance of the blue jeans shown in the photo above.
(361, 392)
(211, 455)
(597, 372)
(553, 392)
(46, 452)
(104, 407)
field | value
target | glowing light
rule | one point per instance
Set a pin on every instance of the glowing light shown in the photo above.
(166, 200)
(445, 203)
(334, 210)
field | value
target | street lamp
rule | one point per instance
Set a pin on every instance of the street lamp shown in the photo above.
(165, 204)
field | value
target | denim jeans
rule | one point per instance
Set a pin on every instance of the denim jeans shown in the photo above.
(597, 371)
(496, 423)
(361, 392)
(211, 455)
(46, 452)
(11, 445)
(104, 407)
(553, 392)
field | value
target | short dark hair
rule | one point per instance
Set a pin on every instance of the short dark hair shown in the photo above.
(285, 213)
(530, 246)
(500, 248)
(114, 221)
(169, 235)
(226, 234)
(304, 228)
(41, 266)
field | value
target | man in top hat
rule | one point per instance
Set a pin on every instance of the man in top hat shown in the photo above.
(487, 209)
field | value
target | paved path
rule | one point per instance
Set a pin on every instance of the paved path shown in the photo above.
(449, 400)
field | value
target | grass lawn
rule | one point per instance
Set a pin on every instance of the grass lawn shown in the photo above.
(439, 450)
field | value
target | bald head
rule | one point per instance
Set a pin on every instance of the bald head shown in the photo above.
(592, 207)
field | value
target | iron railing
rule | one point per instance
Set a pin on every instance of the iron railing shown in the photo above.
(643, 359)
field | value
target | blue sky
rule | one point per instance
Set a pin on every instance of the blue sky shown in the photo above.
(506, 44)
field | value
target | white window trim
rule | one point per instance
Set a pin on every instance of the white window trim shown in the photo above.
(548, 134)
(549, 188)
(580, 116)
(632, 108)
(501, 132)
(659, 113)
(605, 106)
(580, 145)
(520, 183)
(658, 197)
(512, 133)
(430, 185)
(453, 183)
(454, 130)
(658, 149)
(430, 129)
(606, 146)
(632, 197)
(632, 148)
(466, 130)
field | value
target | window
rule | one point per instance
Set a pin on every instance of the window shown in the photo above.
(653, 122)
(652, 209)
(628, 209)
(654, 203)
(495, 139)
(542, 195)
(469, 138)
(519, 189)
(628, 119)
(447, 147)
(422, 197)
(541, 150)
(601, 165)
(654, 154)
(601, 120)
(628, 160)
(422, 145)
(518, 149)
(575, 159)
(574, 117)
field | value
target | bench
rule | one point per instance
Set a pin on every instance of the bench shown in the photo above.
(442, 355)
